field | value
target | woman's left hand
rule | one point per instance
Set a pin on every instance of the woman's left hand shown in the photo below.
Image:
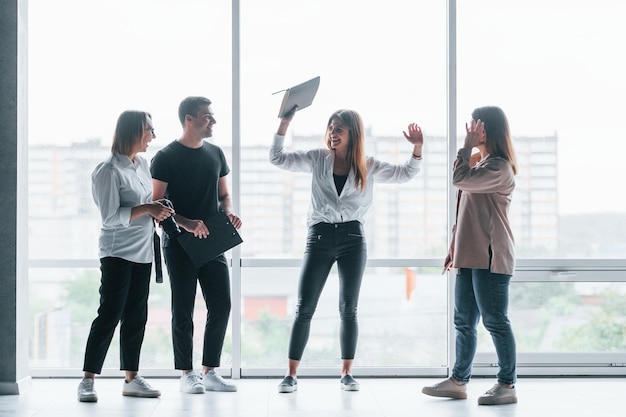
(475, 134)
(415, 135)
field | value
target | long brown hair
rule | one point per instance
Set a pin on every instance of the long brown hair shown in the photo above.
(498, 135)
(129, 131)
(356, 143)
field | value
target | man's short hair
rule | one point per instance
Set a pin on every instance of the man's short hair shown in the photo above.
(191, 106)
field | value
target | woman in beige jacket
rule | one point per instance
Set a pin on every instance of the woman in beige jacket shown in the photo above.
(483, 252)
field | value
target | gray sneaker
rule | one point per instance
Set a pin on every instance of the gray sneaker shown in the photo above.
(86, 392)
(497, 395)
(288, 384)
(139, 387)
(214, 382)
(348, 383)
(191, 383)
(448, 389)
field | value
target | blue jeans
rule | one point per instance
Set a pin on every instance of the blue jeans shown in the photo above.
(478, 292)
(328, 243)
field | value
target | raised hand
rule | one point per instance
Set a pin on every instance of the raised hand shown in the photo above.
(475, 133)
(414, 135)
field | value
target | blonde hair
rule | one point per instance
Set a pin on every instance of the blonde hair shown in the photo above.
(356, 143)
(129, 131)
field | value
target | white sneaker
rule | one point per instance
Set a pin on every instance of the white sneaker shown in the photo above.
(214, 382)
(139, 387)
(86, 392)
(191, 383)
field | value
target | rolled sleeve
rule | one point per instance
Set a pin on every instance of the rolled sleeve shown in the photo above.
(106, 194)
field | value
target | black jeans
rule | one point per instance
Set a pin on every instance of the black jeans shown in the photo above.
(214, 282)
(328, 243)
(124, 288)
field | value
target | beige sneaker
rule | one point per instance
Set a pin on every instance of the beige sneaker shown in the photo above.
(448, 389)
(497, 395)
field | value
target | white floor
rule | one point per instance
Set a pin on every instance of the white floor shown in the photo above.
(378, 397)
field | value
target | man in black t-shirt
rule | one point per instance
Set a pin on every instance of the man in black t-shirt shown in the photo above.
(191, 173)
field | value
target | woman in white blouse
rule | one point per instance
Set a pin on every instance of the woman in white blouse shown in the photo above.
(483, 252)
(341, 193)
(122, 190)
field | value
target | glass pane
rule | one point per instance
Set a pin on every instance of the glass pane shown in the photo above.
(556, 70)
(85, 68)
(395, 305)
(565, 317)
(64, 302)
(88, 66)
(381, 64)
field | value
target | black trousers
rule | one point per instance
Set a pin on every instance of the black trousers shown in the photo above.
(328, 243)
(214, 282)
(124, 288)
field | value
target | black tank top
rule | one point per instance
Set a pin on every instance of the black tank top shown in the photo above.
(340, 181)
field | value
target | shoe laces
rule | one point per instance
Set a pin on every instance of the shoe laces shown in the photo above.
(216, 376)
(193, 378)
(494, 389)
(87, 384)
(446, 382)
(141, 382)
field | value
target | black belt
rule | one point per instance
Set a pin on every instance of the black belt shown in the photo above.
(158, 266)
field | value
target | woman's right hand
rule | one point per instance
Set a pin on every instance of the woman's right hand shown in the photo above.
(285, 120)
(448, 262)
(475, 133)
(159, 211)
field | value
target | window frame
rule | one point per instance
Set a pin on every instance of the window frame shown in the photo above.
(528, 270)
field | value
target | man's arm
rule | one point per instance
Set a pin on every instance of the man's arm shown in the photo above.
(158, 189)
(226, 203)
(223, 195)
(196, 227)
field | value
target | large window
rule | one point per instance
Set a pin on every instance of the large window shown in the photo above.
(396, 305)
(86, 67)
(555, 70)
(554, 67)
(375, 60)
(379, 62)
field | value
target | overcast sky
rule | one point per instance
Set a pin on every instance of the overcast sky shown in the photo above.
(553, 66)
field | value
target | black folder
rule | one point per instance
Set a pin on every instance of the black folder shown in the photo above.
(222, 237)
